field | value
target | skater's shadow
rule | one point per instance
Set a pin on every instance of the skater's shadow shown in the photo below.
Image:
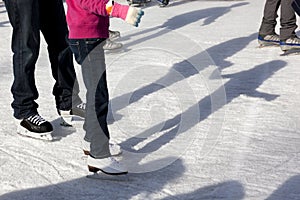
(219, 53)
(139, 186)
(209, 15)
(242, 83)
(288, 190)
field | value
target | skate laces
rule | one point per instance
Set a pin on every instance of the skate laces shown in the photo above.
(294, 40)
(81, 106)
(109, 45)
(36, 119)
(114, 34)
(273, 37)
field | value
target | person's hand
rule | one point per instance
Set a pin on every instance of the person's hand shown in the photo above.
(129, 14)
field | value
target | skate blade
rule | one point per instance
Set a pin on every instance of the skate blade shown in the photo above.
(138, 4)
(102, 176)
(40, 136)
(73, 121)
(290, 52)
(267, 45)
(113, 51)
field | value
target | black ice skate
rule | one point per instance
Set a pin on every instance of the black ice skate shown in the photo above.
(163, 3)
(138, 3)
(35, 127)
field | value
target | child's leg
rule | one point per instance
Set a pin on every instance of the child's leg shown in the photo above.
(90, 55)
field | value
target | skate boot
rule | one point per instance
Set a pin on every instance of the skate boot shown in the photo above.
(113, 35)
(106, 165)
(163, 3)
(69, 116)
(35, 127)
(115, 149)
(138, 3)
(268, 40)
(290, 44)
(111, 45)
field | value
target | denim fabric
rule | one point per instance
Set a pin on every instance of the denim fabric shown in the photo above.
(89, 54)
(28, 18)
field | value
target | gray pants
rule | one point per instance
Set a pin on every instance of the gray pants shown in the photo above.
(287, 19)
(89, 54)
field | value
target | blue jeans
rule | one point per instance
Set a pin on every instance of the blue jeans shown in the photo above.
(28, 18)
(89, 54)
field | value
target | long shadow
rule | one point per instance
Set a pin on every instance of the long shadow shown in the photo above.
(288, 190)
(137, 186)
(107, 187)
(209, 15)
(231, 190)
(219, 53)
(179, 21)
(242, 83)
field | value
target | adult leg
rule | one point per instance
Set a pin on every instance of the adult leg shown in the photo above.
(55, 31)
(269, 19)
(287, 20)
(24, 18)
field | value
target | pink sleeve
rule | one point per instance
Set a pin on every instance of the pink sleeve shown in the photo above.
(94, 6)
(120, 11)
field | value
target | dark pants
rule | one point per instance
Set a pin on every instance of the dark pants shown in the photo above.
(89, 54)
(28, 18)
(287, 19)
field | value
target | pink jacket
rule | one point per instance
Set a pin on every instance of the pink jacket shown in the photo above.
(87, 19)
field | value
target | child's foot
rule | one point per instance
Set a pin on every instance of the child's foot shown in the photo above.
(106, 165)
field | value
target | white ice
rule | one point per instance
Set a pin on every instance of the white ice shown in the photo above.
(199, 110)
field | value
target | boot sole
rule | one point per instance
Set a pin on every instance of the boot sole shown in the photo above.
(47, 136)
(95, 170)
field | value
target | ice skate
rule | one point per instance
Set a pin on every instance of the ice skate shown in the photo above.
(138, 3)
(114, 35)
(70, 117)
(108, 166)
(115, 149)
(268, 40)
(163, 3)
(111, 45)
(35, 127)
(290, 46)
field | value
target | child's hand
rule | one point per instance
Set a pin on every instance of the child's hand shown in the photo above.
(129, 14)
(134, 15)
